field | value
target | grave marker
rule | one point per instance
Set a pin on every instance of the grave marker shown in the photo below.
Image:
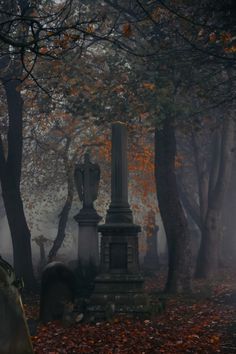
(14, 333)
(58, 287)
(119, 283)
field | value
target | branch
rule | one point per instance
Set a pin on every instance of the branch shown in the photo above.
(187, 19)
(205, 51)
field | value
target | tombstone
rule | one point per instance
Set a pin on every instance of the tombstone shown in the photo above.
(87, 177)
(151, 259)
(14, 333)
(119, 284)
(58, 286)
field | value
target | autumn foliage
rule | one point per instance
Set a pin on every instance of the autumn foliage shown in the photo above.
(200, 323)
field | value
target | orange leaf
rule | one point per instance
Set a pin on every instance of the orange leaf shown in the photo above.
(43, 50)
(127, 30)
(226, 36)
(149, 86)
(212, 37)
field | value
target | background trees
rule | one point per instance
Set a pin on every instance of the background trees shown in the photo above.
(68, 70)
(190, 48)
(26, 34)
(10, 159)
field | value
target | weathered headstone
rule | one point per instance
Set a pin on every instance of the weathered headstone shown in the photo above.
(58, 287)
(14, 334)
(87, 176)
(120, 284)
(151, 259)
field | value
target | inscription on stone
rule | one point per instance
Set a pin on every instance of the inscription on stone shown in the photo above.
(118, 255)
(130, 254)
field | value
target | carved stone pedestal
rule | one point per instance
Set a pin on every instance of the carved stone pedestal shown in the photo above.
(88, 251)
(119, 286)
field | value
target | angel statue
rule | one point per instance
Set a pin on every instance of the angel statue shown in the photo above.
(87, 177)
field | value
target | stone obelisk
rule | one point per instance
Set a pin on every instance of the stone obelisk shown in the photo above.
(119, 283)
(119, 210)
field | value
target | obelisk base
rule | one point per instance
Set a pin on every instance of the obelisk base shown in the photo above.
(119, 288)
(118, 295)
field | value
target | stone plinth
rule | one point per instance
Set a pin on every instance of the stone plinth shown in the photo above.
(119, 248)
(88, 250)
(120, 285)
(87, 176)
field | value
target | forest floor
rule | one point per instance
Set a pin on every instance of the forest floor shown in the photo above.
(204, 322)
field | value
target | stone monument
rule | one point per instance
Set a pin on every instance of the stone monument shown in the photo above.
(151, 259)
(14, 333)
(87, 176)
(119, 284)
(58, 287)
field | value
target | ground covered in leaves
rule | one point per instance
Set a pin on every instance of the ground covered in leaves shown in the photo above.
(202, 323)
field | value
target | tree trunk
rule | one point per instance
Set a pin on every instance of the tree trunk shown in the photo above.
(173, 217)
(63, 217)
(190, 205)
(229, 221)
(10, 173)
(203, 180)
(208, 260)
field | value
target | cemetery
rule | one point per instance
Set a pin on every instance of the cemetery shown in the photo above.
(117, 177)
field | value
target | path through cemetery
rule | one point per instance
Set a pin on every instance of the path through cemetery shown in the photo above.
(202, 323)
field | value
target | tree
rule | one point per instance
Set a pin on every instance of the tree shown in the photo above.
(10, 163)
(172, 213)
(208, 259)
(191, 41)
(2, 210)
(212, 150)
(23, 38)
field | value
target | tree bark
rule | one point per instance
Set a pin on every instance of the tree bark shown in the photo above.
(190, 206)
(173, 217)
(10, 174)
(203, 180)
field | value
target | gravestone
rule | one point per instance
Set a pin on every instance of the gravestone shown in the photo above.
(58, 286)
(14, 334)
(119, 284)
(87, 177)
(151, 259)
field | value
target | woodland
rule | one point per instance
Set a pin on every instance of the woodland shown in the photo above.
(165, 68)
